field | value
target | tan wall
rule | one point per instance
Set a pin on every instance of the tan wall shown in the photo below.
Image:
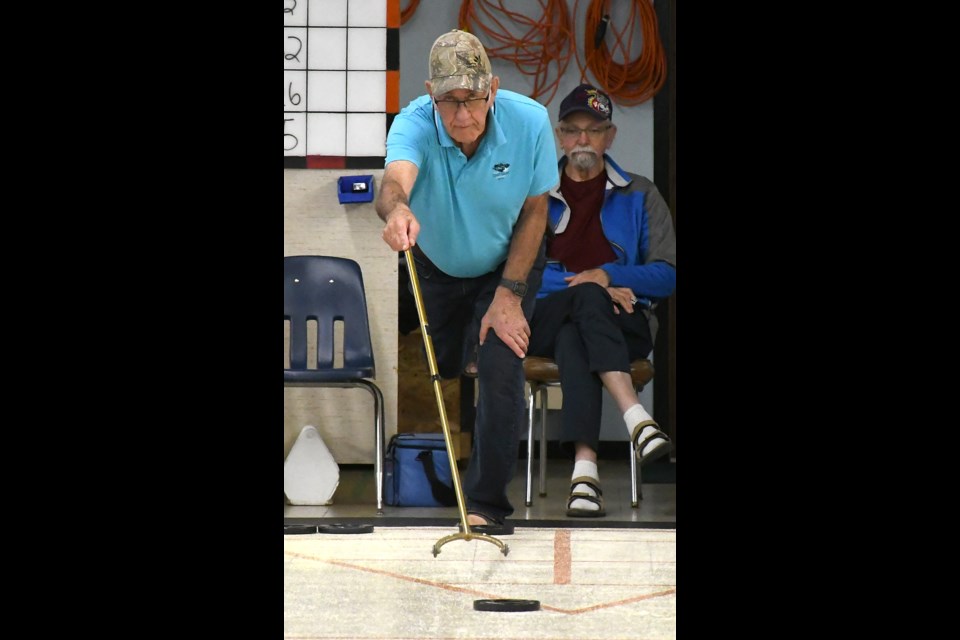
(314, 222)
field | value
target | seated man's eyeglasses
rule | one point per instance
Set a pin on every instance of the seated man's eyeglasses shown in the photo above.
(574, 132)
(449, 105)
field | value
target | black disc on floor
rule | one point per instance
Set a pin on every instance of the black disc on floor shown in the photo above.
(345, 528)
(299, 528)
(506, 604)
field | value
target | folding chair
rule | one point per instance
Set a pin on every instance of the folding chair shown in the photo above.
(542, 373)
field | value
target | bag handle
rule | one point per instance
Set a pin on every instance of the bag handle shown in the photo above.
(441, 492)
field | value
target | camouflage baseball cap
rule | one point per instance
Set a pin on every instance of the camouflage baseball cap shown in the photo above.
(458, 61)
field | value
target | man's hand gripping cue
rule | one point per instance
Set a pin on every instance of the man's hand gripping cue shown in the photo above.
(401, 229)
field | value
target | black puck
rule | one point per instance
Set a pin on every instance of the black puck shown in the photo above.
(299, 529)
(345, 528)
(506, 604)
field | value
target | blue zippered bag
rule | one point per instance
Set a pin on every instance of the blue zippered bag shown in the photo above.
(416, 472)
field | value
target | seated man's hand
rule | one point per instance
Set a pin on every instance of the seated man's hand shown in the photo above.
(623, 297)
(599, 276)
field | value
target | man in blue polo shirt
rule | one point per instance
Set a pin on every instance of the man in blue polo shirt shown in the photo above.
(465, 187)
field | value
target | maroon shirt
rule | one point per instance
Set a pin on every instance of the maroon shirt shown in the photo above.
(582, 245)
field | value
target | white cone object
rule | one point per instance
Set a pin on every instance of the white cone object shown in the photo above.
(310, 474)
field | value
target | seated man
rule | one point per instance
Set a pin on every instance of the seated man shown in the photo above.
(610, 258)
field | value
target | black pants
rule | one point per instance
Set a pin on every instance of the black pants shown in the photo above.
(454, 308)
(578, 328)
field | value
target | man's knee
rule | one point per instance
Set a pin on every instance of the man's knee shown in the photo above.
(497, 359)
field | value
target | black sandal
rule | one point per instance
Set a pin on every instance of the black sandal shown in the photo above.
(492, 527)
(578, 495)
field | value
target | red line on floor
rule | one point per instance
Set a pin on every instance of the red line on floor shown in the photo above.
(618, 603)
(400, 576)
(561, 556)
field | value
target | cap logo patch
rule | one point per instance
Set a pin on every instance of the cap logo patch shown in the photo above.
(598, 103)
(469, 59)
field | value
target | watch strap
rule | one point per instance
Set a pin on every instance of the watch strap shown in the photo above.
(516, 287)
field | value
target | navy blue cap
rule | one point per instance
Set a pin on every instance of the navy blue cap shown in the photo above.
(588, 99)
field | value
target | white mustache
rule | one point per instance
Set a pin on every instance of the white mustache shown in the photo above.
(583, 150)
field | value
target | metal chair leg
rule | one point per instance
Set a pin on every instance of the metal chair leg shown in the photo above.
(378, 431)
(636, 477)
(529, 496)
(380, 448)
(543, 440)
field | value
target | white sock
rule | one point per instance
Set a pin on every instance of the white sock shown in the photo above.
(585, 468)
(634, 416)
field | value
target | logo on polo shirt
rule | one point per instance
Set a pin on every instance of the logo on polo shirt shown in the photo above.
(500, 170)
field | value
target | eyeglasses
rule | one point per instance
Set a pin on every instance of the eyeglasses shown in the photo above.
(572, 133)
(452, 106)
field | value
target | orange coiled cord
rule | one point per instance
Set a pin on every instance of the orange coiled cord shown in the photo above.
(547, 40)
(406, 14)
(627, 83)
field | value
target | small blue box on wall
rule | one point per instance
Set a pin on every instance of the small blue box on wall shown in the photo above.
(355, 189)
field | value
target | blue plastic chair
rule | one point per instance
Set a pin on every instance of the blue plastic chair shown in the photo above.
(327, 289)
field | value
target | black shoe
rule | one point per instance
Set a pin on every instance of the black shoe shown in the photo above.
(491, 528)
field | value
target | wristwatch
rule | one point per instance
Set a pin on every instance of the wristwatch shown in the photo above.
(518, 288)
